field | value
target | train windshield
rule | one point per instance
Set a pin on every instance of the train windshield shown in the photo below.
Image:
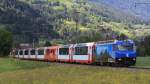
(122, 47)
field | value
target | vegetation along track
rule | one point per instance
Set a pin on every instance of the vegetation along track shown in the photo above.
(99, 66)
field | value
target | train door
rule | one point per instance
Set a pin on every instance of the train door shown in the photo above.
(51, 54)
(47, 58)
(90, 53)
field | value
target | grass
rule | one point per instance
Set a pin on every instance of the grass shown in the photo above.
(143, 62)
(28, 72)
(10, 64)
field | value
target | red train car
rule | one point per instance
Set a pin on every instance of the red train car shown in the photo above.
(65, 53)
(83, 53)
(51, 53)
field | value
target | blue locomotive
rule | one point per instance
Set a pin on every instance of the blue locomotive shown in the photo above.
(116, 52)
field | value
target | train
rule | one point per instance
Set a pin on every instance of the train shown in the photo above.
(113, 52)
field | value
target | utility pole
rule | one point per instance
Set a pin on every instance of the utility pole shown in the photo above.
(33, 43)
(77, 22)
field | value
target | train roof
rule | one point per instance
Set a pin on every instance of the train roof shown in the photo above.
(115, 42)
(124, 42)
(85, 44)
(107, 41)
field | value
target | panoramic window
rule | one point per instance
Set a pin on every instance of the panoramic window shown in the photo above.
(125, 47)
(81, 50)
(21, 52)
(26, 52)
(63, 51)
(41, 52)
(32, 52)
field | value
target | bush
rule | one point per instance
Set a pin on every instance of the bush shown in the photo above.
(144, 46)
(47, 43)
(6, 42)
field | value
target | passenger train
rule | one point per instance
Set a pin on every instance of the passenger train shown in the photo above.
(101, 53)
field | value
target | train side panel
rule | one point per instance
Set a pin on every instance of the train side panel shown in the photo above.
(40, 53)
(64, 53)
(104, 53)
(83, 53)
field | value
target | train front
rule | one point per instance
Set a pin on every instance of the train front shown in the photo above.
(125, 52)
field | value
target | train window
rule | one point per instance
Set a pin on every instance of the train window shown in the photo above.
(16, 53)
(125, 47)
(122, 47)
(115, 47)
(40, 52)
(32, 52)
(26, 52)
(21, 52)
(63, 51)
(81, 50)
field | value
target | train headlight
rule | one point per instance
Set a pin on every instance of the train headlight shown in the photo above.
(134, 59)
(119, 59)
(127, 55)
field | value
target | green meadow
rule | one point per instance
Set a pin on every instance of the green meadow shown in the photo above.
(143, 62)
(14, 71)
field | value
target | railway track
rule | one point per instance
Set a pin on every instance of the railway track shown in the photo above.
(98, 66)
(139, 68)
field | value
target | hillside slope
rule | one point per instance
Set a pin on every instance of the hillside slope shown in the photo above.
(70, 21)
(138, 8)
(25, 22)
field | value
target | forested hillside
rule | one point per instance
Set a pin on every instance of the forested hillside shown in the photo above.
(138, 8)
(25, 22)
(68, 21)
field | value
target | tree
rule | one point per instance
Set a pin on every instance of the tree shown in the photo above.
(122, 37)
(47, 43)
(144, 46)
(147, 44)
(6, 41)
